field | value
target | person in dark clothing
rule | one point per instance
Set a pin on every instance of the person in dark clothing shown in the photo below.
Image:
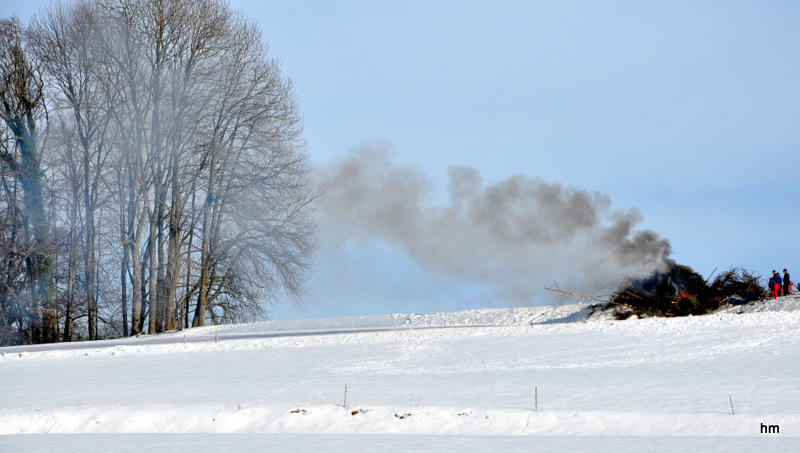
(773, 284)
(787, 284)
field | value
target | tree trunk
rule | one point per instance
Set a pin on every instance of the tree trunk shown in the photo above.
(123, 281)
(89, 258)
(40, 262)
(205, 258)
(161, 283)
(153, 265)
(173, 244)
(73, 258)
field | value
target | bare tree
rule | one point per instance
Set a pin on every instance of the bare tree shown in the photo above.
(67, 181)
(250, 164)
(67, 42)
(179, 191)
(21, 105)
(214, 123)
(15, 315)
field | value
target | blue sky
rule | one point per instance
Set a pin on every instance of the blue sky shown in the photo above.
(685, 110)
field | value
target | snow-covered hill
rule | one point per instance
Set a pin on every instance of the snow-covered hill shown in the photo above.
(519, 379)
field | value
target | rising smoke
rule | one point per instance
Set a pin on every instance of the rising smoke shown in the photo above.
(513, 236)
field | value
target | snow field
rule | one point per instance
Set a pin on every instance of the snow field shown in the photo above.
(422, 420)
(468, 375)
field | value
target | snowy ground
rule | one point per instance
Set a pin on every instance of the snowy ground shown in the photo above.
(464, 381)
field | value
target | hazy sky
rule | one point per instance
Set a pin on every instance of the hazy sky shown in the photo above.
(688, 111)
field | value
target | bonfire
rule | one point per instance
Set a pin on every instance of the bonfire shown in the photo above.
(680, 291)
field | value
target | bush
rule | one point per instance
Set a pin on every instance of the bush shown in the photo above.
(737, 284)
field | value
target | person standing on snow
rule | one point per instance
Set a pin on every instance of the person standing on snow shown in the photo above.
(787, 284)
(778, 284)
(772, 285)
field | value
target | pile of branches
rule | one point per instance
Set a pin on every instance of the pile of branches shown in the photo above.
(680, 291)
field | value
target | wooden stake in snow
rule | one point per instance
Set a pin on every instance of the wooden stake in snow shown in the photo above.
(733, 412)
(216, 338)
(345, 395)
(536, 397)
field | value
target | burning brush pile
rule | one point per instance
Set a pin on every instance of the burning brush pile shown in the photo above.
(680, 291)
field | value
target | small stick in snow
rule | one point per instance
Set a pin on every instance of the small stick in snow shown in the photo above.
(536, 397)
(345, 395)
(733, 412)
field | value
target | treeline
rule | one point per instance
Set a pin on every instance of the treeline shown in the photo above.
(151, 172)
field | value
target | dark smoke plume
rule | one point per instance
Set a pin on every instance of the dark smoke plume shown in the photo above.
(514, 236)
